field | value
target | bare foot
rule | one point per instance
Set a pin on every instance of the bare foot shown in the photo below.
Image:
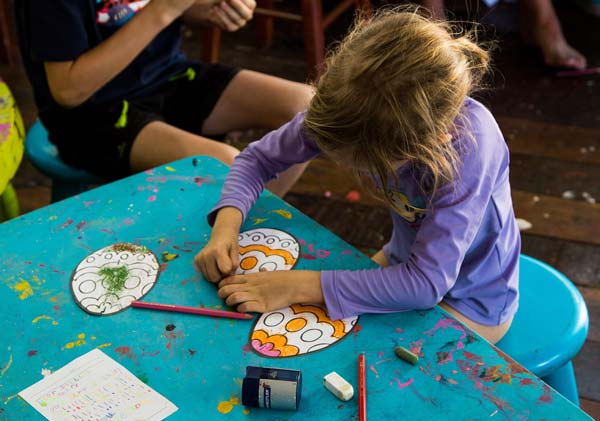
(556, 51)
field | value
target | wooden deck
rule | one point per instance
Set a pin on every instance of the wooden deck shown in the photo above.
(552, 127)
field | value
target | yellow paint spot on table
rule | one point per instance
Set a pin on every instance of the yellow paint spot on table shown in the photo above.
(225, 407)
(80, 341)
(170, 169)
(107, 344)
(52, 218)
(23, 288)
(42, 317)
(286, 214)
(246, 411)
(259, 220)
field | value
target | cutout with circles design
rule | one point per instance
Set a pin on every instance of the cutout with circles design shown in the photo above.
(295, 330)
(95, 292)
(267, 249)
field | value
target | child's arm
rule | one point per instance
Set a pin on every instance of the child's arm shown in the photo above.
(73, 82)
(263, 160)
(252, 169)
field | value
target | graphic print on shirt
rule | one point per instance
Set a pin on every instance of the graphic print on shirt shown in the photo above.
(403, 207)
(294, 330)
(115, 13)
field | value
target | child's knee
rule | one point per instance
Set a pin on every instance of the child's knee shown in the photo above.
(301, 98)
(228, 153)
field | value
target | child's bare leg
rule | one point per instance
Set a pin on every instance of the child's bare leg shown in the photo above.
(540, 26)
(253, 100)
(492, 333)
(158, 143)
(380, 258)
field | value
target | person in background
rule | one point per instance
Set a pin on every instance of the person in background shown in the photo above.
(118, 96)
(540, 27)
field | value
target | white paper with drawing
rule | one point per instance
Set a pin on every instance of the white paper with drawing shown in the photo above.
(95, 386)
(294, 330)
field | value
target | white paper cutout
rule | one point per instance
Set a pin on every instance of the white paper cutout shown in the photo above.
(89, 286)
(267, 249)
(295, 330)
(96, 387)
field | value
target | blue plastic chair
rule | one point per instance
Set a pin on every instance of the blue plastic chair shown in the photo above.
(550, 326)
(66, 181)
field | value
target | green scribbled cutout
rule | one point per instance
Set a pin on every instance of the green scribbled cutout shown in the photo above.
(131, 248)
(115, 278)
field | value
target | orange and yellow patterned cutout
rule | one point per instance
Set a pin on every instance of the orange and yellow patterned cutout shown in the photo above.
(295, 330)
(298, 329)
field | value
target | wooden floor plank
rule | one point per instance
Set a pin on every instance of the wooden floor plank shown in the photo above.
(581, 263)
(586, 365)
(551, 216)
(550, 140)
(592, 300)
(554, 177)
(592, 408)
(558, 218)
(32, 198)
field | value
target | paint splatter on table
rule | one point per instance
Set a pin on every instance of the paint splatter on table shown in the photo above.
(198, 362)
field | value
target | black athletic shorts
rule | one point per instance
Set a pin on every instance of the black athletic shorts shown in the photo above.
(99, 138)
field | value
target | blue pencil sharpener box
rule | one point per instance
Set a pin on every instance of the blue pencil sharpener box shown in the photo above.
(274, 388)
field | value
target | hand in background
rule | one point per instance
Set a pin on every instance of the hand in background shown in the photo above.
(231, 15)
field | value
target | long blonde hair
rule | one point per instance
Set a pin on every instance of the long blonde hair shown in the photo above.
(392, 90)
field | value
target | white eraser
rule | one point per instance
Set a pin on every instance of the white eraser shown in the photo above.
(338, 386)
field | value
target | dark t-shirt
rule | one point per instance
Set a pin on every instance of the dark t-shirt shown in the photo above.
(62, 30)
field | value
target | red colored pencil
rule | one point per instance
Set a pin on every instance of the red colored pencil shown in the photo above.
(191, 310)
(362, 388)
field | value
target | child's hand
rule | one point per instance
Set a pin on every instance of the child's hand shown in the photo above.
(265, 291)
(220, 257)
(231, 15)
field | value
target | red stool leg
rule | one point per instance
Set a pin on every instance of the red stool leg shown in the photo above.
(264, 25)
(211, 42)
(314, 37)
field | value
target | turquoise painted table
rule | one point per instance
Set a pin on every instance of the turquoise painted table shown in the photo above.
(198, 362)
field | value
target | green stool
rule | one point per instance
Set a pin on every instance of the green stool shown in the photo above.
(12, 135)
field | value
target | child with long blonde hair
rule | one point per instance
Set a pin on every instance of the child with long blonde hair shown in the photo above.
(392, 103)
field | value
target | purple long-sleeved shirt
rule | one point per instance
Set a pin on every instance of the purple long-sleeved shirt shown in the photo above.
(462, 247)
